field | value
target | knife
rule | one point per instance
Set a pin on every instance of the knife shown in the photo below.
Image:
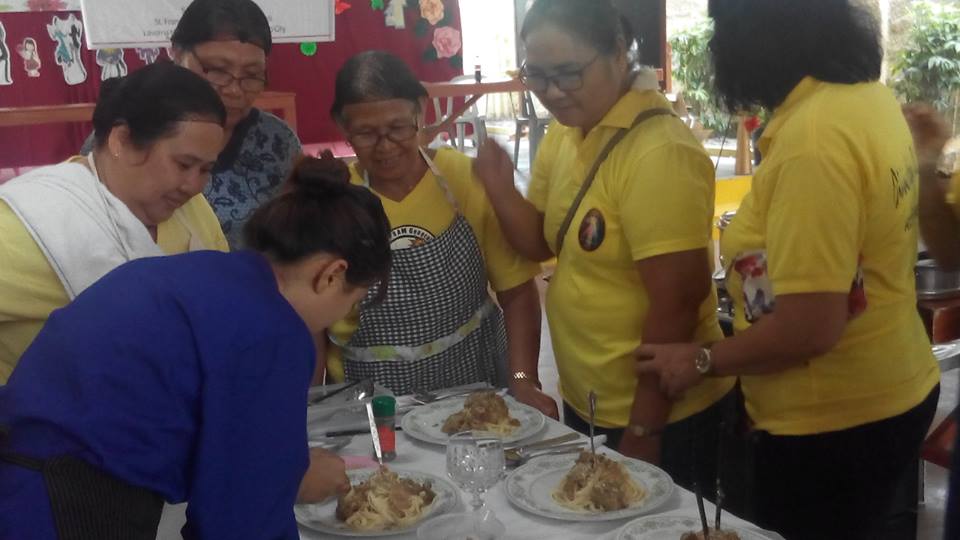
(373, 433)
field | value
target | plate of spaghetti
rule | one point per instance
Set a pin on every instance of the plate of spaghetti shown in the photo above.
(674, 527)
(588, 487)
(381, 502)
(485, 411)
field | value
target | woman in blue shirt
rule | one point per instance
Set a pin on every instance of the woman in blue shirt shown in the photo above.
(184, 378)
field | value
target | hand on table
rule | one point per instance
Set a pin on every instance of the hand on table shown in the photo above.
(930, 132)
(526, 392)
(675, 364)
(325, 477)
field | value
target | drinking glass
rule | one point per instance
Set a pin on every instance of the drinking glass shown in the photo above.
(475, 462)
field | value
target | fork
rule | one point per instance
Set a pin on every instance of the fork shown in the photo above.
(424, 397)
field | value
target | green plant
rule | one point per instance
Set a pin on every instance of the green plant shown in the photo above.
(691, 68)
(928, 69)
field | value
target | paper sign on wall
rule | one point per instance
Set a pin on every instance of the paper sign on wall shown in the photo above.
(112, 24)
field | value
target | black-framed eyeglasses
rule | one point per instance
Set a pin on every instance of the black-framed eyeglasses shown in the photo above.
(222, 79)
(369, 139)
(565, 81)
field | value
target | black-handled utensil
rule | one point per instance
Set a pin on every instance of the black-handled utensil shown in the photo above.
(319, 399)
(720, 494)
(703, 513)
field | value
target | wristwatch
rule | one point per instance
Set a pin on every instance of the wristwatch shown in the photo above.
(703, 362)
(524, 376)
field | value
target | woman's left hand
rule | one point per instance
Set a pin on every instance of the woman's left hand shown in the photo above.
(674, 364)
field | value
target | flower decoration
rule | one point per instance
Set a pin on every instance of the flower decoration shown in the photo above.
(341, 6)
(446, 41)
(432, 11)
(751, 123)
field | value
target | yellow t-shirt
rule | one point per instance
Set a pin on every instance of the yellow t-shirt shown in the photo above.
(652, 196)
(425, 214)
(833, 208)
(30, 289)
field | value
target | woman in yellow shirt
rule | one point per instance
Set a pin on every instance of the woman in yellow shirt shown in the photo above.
(632, 240)
(158, 133)
(438, 326)
(835, 366)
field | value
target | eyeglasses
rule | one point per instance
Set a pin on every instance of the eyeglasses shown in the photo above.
(565, 81)
(222, 79)
(370, 139)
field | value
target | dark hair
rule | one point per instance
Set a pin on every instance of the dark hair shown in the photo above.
(151, 100)
(206, 20)
(322, 212)
(762, 50)
(375, 76)
(598, 23)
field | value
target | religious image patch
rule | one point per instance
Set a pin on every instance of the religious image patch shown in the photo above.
(593, 229)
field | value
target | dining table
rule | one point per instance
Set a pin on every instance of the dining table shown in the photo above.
(417, 456)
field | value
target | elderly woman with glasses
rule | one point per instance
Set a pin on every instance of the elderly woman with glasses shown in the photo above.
(227, 41)
(622, 194)
(438, 326)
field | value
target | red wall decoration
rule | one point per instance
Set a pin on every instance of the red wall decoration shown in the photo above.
(429, 43)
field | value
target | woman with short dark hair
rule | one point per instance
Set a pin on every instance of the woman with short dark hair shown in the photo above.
(438, 326)
(834, 362)
(137, 194)
(185, 379)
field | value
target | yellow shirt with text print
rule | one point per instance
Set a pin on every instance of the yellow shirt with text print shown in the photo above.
(652, 196)
(833, 209)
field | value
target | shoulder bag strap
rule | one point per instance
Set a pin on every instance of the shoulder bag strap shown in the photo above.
(588, 181)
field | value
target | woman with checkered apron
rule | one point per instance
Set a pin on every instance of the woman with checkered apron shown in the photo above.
(438, 325)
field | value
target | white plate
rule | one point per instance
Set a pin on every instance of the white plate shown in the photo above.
(531, 488)
(425, 423)
(673, 527)
(323, 517)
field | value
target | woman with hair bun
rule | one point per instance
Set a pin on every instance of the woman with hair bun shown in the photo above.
(158, 133)
(184, 378)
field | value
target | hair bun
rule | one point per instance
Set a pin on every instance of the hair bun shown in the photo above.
(323, 176)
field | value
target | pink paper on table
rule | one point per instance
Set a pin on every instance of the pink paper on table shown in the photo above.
(359, 462)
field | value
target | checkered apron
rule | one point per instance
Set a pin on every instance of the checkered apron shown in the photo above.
(438, 326)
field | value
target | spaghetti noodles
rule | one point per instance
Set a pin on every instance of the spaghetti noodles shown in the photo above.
(482, 411)
(597, 484)
(384, 501)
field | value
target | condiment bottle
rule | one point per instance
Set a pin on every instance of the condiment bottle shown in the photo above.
(476, 69)
(384, 415)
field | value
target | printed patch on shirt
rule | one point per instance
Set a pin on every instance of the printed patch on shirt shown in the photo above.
(758, 297)
(857, 299)
(409, 236)
(593, 229)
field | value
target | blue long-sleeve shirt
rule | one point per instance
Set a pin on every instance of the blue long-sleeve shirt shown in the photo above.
(186, 375)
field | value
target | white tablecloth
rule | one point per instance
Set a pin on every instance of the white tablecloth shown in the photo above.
(418, 456)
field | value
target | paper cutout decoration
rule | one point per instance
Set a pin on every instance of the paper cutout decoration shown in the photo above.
(111, 62)
(341, 6)
(393, 16)
(5, 59)
(148, 56)
(31, 56)
(66, 33)
(376, 4)
(308, 49)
